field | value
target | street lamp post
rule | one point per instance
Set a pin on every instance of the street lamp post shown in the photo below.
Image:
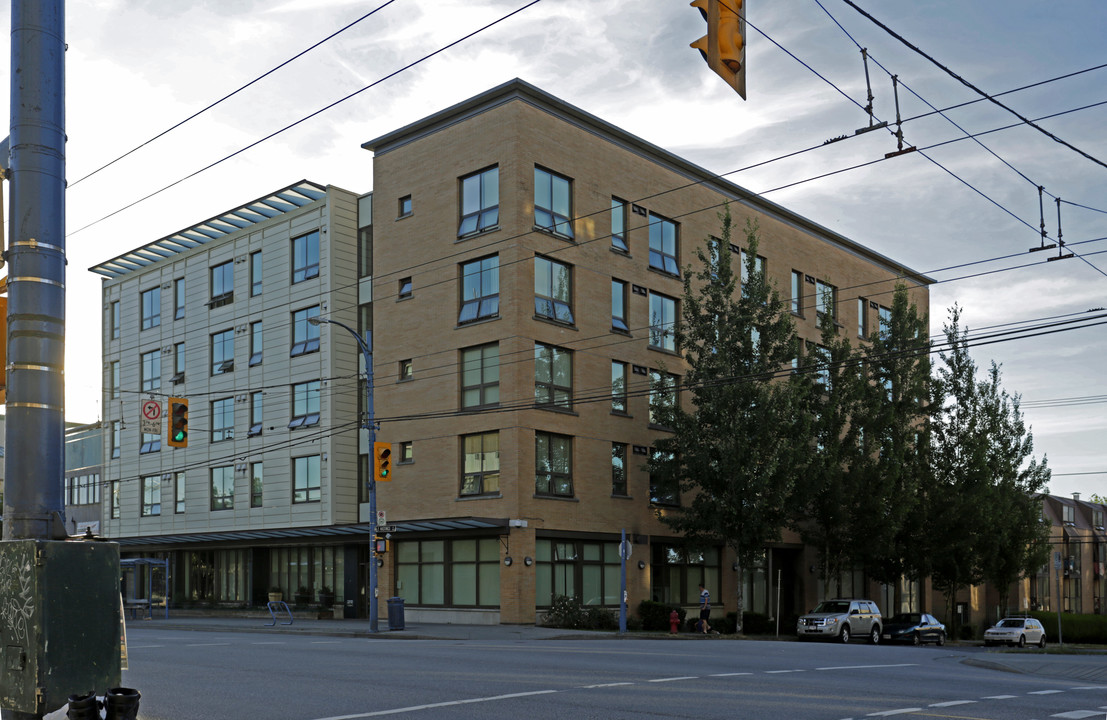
(367, 354)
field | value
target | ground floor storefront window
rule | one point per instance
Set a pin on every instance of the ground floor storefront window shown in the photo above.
(303, 573)
(676, 574)
(211, 575)
(588, 571)
(452, 573)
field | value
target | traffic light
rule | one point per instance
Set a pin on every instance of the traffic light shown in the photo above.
(724, 47)
(178, 422)
(382, 461)
(380, 545)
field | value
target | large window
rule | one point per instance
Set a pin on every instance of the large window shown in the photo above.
(480, 289)
(151, 370)
(619, 305)
(553, 290)
(222, 487)
(305, 335)
(151, 308)
(481, 463)
(553, 464)
(222, 352)
(306, 482)
(663, 245)
(305, 404)
(222, 420)
(457, 573)
(663, 316)
(619, 225)
(305, 257)
(553, 376)
(480, 376)
(151, 495)
(222, 284)
(618, 387)
(553, 202)
(676, 573)
(618, 469)
(586, 571)
(480, 202)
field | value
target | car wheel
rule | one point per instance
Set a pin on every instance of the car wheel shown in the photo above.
(844, 634)
(916, 640)
(1041, 641)
(941, 639)
(874, 635)
(1022, 641)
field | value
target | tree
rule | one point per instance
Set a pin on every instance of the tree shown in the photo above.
(735, 453)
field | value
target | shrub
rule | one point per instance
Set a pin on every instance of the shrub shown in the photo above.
(655, 615)
(1075, 628)
(566, 612)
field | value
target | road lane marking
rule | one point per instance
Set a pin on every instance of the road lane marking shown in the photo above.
(326, 642)
(673, 679)
(867, 667)
(951, 703)
(605, 685)
(900, 711)
(997, 697)
(1044, 692)
(729, 674)
(777, 672)
(450, 703)
(270, 642)
(1077, 714)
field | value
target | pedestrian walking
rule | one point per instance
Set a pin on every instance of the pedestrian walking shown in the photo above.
(705, 609)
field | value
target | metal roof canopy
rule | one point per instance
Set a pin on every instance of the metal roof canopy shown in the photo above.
(470, 523)
(282, 201)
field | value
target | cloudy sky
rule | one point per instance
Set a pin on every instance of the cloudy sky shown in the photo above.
(137, 67)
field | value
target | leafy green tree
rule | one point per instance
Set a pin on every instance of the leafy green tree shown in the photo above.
(735, 453)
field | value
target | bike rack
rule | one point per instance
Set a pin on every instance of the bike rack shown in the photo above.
(273, 614)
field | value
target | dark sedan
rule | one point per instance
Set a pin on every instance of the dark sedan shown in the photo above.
(915, 628)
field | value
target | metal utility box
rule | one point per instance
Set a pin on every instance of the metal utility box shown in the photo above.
(59, 622)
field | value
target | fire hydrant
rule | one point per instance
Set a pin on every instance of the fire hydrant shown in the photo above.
(674, 622)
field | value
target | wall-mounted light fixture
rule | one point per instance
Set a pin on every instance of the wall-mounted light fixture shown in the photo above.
(735, 566)
(528, 561)
(641, 564)
(507, 561)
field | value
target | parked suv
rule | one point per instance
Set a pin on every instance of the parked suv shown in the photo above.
(841, 619)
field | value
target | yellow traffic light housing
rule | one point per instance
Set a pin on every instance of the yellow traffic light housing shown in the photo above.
(382, 461)
(380, 545)
(724, 46)
(178, 422)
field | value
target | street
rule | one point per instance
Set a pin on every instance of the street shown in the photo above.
(186, 675)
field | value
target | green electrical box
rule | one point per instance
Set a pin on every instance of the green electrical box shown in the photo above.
(60, 622)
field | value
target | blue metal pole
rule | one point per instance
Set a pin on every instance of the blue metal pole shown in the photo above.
(623, 547)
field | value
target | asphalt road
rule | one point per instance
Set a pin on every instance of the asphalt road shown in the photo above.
(186, 675)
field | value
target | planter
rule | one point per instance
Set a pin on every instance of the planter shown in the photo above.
(276, 596)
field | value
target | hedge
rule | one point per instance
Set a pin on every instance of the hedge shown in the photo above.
(1091, 629)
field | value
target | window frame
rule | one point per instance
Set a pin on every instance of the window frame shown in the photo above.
(484, 301)
(619, 486)
(551, 475)
(307, 483)
(221, 488)
(661, 259)
(484, 205)
(619, 397)
(486, 366)
(797, 293)
(256, 273)
(257, 484)
(149, 498)
(305, 410)
(552, 289)
(663, 339)
(620, 218)
(483, 479)
(305, 257)
(257, 343)
(150, 367)
(305, 334)
(179, 490)
(619, 315)
(257, 404)
(221, 277)
(549, 390)
(178, 298)
(150, 308)
(115, 319)
(223, 361)
(222, 420)
(553, 189)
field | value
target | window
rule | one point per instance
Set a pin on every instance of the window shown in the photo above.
(587, 572)
(758, 267)
(305, 257)
(115, 439)
(178, 492)
(178, 298)
(453, 573)
(222, 284)
(663, 492)
(255, 343)
(151, 370)
(663, 314)
(305, 479)
(255, 273)
(115, 379)
(663, 245)
(826, 302)
(862, 317)
(178, 363)
(305, 335)
(480, 376)
(618, 387)
(305, 404)
(663, 396)
(405, 290)
(114, 319)
(480, 202)
(553, 376)
(222, 488)
(256, 482)
(553, 290)
(884, 316)
(480, 464)
(114, 500)
(797, 293)
(553, 467)
(552, 202)
(151, 495)
(222, 352)
(1068, 514)
(480, 289)
(619, 225)
(619, 469)
(619, 305)
(405, 371)
(255, 414)
(406, 452)
(151, 308)
(405, 206)
(222, 420)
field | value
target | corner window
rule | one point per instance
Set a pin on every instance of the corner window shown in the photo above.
(222, 420)
(151, 308)
(480, 202)
(222, 352)
(663, 245)
(553, 290)
(306, 479)
(305, 404)
(480, 464)
(151, 495)
(222, 284)
(619, 469)
(619, 305)
(663, 315)
(305, 257)
(553, 466)
(480, 289)
(553, 376)
(480, 376)
(222, 488)
(619, 225)
(552, 203)
(305, 335)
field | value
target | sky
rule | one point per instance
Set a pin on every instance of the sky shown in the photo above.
(135, 68)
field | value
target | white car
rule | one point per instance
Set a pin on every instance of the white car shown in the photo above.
(1016, 631)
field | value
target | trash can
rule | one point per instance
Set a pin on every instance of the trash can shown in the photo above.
(395, 613)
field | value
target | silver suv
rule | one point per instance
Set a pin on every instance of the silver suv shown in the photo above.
(840, 620)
